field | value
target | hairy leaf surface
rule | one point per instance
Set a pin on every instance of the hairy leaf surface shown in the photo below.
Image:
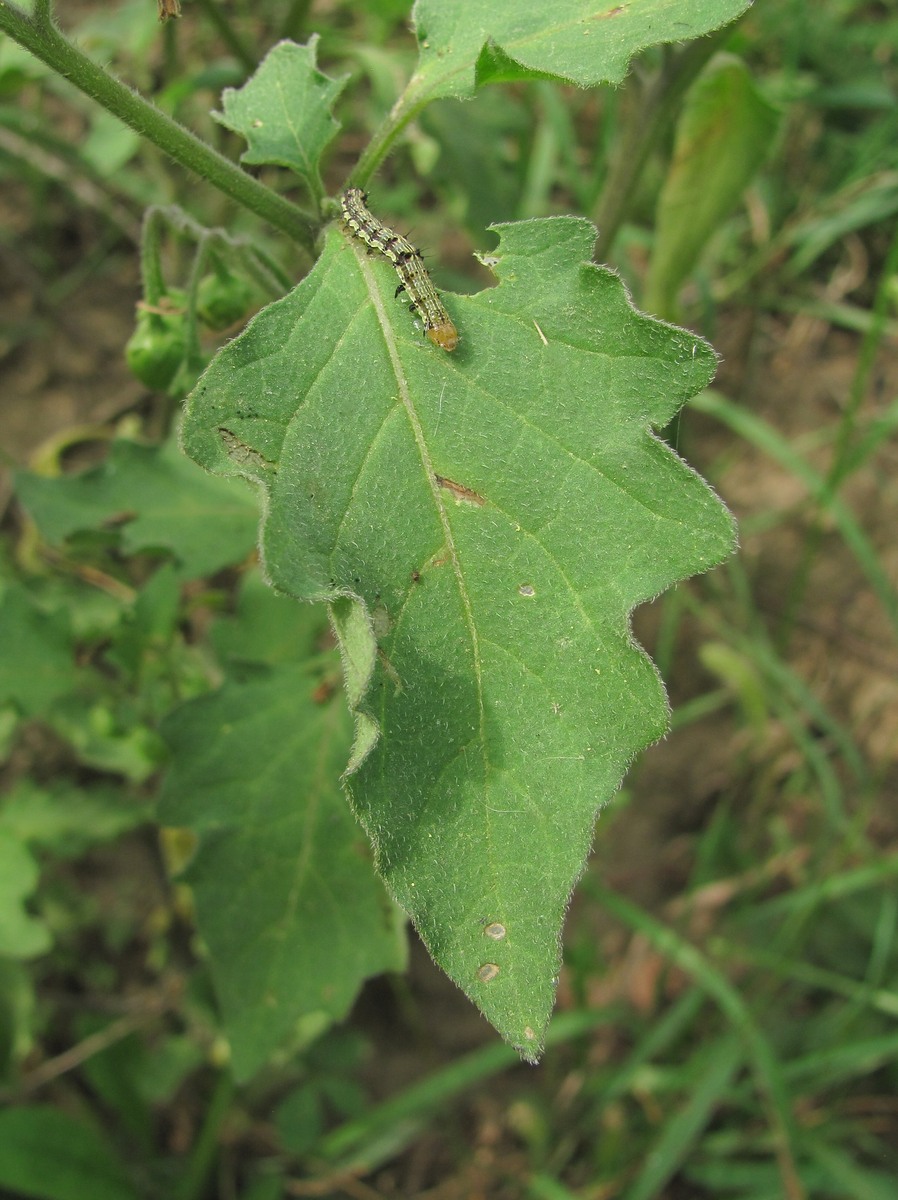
(483, 523)
(472, 42)
(284, 111)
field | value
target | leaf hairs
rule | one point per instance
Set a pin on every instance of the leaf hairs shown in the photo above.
(409, 265)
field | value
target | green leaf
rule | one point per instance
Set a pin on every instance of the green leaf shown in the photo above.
(160, 500)
(21, 935)
(469, 43)
(483, 522)
(287, 901)
(150, 626)
(284, 111)
(133, 1076)
(723, 136)
(47, 1154)
(17, 1014)
(108, 735)
(67, 820)
(36, 666)
(267, 628)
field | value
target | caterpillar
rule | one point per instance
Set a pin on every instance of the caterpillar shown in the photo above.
(414, 279)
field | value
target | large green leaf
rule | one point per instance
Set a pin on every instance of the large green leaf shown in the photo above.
(287, 899)
(472, 42)
(483, 524)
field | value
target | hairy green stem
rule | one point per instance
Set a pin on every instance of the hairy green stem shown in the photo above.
(402, 113)
(40, 36)
(151, 256)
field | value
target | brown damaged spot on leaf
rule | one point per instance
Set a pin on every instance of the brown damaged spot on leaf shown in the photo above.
(239, 452)
(460, 493)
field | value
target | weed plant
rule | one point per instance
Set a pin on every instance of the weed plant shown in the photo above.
(726, 1015)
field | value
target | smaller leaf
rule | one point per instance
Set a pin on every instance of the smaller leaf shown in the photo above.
(724, 134)
(284, 111)
(286, 896)
(36, 665)
(21, 935)
(67, 820)
(46, 1153)
(157, 498)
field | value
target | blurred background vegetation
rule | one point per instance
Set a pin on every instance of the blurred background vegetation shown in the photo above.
(727, 1013)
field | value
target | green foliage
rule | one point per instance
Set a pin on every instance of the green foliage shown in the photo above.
(481, 526)
(153, 501)
(723, 136)
(569, 40)
(500, 683)
(46, 1153)
(21, 936)
(286, 86)
(290, 908)
(39, 668)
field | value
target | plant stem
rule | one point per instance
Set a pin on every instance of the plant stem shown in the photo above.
(643, 129)
(403, 111)
(295, 20)
(40, 36)
(201, 1161)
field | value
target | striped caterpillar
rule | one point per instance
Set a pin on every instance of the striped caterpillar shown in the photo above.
(425, 299)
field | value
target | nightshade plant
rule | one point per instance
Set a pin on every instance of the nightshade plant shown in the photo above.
(479, 525)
